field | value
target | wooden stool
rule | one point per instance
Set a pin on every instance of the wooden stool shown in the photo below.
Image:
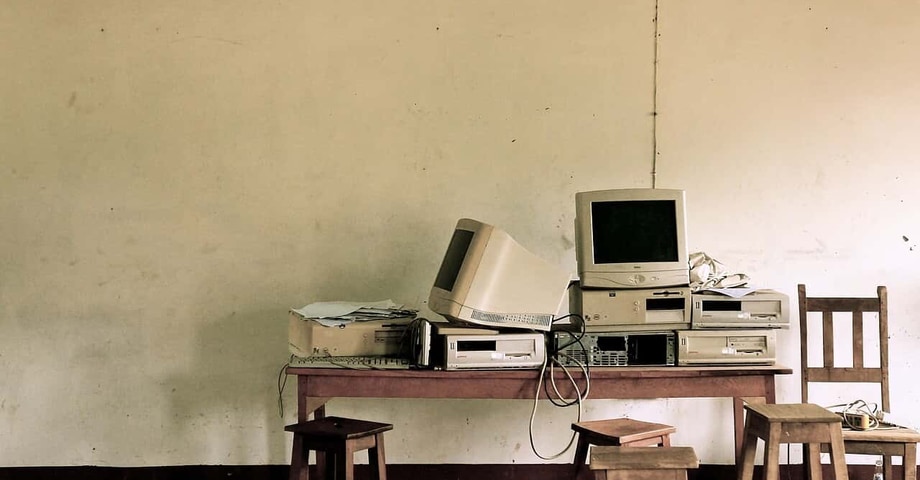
(340, 438)
(803, 423)
(642, 463)
(617, 432)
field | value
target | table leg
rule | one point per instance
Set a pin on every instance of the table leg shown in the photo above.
(307, 405)
(738, 412)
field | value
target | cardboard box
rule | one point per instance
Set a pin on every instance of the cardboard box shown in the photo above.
(307, 337)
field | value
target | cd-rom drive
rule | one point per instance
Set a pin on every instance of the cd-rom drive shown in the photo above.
(616, 349)
(721, 347)
(632, 310)
(503, 350)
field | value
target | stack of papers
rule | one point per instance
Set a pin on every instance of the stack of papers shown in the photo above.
(339, 313)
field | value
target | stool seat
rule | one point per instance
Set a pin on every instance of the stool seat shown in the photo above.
(627, 463)
(624, 432)
(805, 423)
(340, 438)
(338, 428)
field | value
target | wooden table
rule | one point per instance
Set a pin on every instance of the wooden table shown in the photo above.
(315, 386)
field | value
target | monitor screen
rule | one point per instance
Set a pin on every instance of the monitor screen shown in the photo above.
(634, 232)
(453, 259)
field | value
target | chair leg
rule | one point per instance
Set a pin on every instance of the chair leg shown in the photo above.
(581, 455)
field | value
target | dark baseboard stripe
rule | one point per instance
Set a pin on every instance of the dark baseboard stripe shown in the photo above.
(394, 472)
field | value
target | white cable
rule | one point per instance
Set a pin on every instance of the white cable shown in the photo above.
(578, 399)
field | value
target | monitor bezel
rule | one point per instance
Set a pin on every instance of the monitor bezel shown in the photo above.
(629, 274)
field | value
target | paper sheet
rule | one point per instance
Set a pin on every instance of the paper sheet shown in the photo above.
(339, 309)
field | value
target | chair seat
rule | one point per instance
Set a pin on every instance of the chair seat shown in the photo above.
(892, 435)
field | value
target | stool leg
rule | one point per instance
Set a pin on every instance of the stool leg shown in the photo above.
(322, 465)
(771, 453)
(328, 470)
(581, 455)
(665, 441)
(345, 463)
(838, 458)
(748, 451)
(909, 460)
(376, 459)
(812, 460)
(300, 460)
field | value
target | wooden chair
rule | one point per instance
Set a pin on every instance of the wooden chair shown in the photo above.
(618, 432)
(885, 441)
(642, 463)
(339, 438)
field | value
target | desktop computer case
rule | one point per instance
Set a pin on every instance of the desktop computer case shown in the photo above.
(307, 337)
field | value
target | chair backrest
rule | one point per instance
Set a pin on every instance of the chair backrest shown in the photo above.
(855, 371)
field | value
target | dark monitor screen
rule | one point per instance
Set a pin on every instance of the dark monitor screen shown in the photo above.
(453, 259)
(634, 231)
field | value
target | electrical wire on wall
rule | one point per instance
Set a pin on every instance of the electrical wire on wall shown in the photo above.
(655, 103)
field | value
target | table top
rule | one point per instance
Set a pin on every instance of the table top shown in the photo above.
(529, 373)
(605, 382)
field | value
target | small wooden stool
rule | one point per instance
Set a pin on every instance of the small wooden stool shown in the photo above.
(617, 432)
(642, 463)
(805, 423)
(340, 438)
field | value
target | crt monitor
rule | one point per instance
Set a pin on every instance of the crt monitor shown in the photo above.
(631, 238)
(488, 280)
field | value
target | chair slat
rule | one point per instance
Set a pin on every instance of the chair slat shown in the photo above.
(827, 375)
(821, 304)
(828, 339)
(858, 354)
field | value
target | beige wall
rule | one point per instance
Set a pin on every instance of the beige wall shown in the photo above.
(174, 177)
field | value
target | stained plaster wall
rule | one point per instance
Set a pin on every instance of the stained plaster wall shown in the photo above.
(175, 176)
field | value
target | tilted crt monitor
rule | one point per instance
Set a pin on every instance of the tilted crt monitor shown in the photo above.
(631, 238)
(488, 280)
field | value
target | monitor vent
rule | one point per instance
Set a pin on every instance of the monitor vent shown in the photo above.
(513, 319)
